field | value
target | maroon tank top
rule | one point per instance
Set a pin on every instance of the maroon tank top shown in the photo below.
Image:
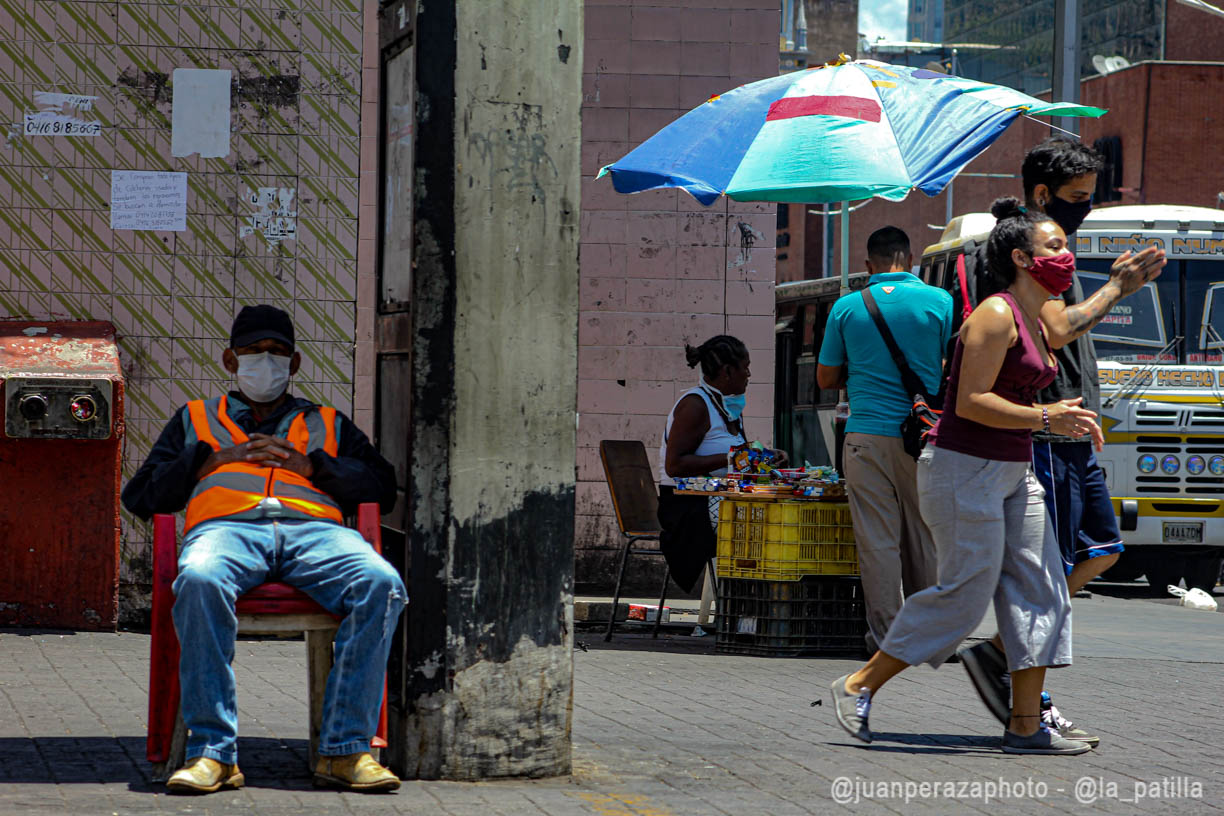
(1025, 371)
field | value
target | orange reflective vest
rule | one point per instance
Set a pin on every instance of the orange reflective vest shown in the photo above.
(241, 490)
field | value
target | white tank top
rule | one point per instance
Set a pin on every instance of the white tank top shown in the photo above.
(718, 439)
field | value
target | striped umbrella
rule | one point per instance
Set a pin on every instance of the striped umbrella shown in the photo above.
(846, 131)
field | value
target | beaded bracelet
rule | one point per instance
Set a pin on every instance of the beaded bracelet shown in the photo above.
(1045, 418)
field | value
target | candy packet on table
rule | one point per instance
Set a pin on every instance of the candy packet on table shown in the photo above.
(752, 457)
(816, 488)
(704, 483)
(823, 473)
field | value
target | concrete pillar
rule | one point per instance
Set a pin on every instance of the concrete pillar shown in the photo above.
(486, 682)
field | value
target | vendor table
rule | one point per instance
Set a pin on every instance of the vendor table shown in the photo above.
(767, 497)
(787, 571)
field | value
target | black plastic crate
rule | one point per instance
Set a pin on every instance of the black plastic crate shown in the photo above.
(816, 615)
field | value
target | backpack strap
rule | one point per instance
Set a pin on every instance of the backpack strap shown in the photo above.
(909, 379)
(966, 304)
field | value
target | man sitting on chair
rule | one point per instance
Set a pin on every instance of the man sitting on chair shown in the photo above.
(266, 479)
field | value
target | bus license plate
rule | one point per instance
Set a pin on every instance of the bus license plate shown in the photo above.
(1183, 532)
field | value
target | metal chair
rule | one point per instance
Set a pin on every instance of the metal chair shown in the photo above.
(636, 501)
(271, 608)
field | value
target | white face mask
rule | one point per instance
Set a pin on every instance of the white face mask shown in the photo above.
(263, 377)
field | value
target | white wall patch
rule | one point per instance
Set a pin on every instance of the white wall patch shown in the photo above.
(143, 200)
(275, 214)
(200, 121)
(61, 114)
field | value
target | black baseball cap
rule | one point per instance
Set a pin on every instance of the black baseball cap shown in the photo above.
(263, 322)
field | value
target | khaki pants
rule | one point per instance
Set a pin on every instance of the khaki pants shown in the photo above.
(895, 551)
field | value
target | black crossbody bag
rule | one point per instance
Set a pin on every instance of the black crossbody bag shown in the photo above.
(925, 410)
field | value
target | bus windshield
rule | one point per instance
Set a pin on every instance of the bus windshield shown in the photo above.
(1186, 301)
(1205, 311)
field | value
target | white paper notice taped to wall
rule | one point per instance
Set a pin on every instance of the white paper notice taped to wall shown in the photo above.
(200, 121)
(143, 200)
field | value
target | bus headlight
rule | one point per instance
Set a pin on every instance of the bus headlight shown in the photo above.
(1196, 465)
(1216, 465)
(1146, 463)
(1170, 464)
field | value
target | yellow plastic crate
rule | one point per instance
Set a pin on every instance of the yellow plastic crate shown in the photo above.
(784, 541)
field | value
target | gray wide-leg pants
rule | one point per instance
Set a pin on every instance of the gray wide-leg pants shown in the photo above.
(988, 520)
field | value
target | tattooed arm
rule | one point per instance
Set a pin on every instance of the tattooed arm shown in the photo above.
(1129, 272)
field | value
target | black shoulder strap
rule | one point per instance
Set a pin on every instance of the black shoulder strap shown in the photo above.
(908, 378)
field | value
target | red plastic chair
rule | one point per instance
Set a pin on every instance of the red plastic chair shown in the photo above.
(271, 608)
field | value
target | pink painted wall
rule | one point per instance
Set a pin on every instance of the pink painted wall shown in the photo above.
(659, 270)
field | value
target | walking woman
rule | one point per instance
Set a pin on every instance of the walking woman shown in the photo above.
(981, 500)
(705, 423)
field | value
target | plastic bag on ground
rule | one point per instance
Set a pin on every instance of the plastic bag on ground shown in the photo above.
(1194, 598)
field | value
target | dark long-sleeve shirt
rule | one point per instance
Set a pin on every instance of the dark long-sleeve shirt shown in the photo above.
(163, 484)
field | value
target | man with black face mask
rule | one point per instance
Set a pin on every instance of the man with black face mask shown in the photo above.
(1059, 177)
(266, 479)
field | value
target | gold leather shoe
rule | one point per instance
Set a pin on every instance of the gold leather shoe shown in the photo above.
(204, 775)
(355, 772)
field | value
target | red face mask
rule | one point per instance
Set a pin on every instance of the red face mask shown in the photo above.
(1053, 272)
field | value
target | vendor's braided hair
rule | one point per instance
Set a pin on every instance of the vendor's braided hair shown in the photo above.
(720, 350)
(1014, 230)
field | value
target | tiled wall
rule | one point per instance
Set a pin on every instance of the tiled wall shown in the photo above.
(303, 98)
(659, 270)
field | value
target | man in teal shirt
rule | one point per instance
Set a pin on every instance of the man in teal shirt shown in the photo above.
(896, 554)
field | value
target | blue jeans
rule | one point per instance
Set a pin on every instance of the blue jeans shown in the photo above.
(332, 564)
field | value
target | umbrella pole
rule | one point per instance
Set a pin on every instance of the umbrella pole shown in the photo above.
(842, 413)
(845, 248)
(826, 241)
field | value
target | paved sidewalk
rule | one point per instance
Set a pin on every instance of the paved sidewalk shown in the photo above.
(667, 728)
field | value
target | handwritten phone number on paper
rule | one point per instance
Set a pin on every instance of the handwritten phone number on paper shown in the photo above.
(35, 126)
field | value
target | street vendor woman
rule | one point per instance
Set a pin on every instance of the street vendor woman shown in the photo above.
(705, 423)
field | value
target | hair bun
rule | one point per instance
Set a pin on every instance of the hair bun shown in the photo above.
(1006, 207)
(691, 355)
